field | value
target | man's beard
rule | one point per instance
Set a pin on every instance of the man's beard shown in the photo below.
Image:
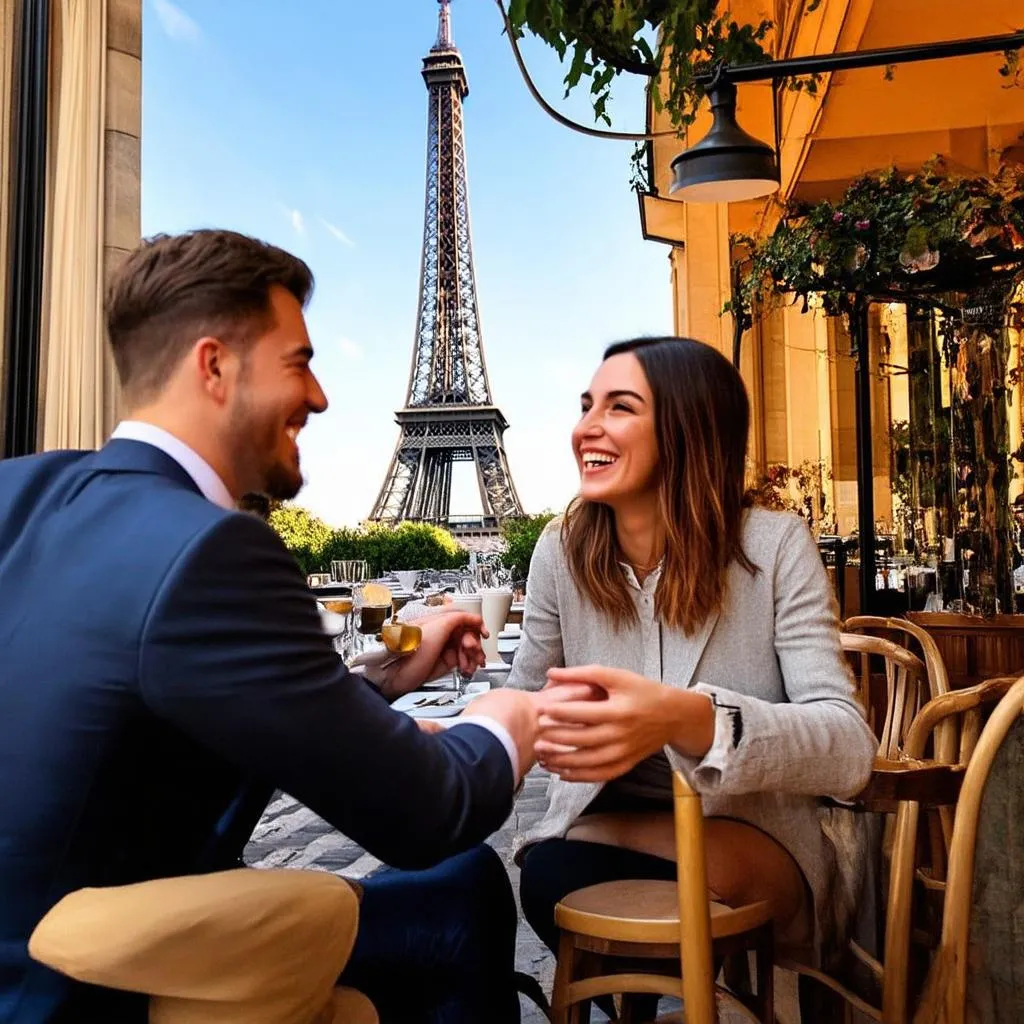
(256, 448)
(280, 483)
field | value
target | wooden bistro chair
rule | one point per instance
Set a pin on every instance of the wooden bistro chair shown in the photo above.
(639, 923)
(907, 786)
(945, 996)
(905, 676)
(917, 640)
(946, 751)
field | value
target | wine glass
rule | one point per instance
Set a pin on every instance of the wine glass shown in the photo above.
(342, 606)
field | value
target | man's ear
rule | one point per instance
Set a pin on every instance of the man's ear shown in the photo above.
(214, 364)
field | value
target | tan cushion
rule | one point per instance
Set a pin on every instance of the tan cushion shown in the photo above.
(263, 947)
(350, 1007)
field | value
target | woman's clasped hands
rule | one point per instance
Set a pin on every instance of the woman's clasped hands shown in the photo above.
(622, 719)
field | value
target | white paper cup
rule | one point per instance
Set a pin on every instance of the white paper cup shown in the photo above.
(471, 603)
(495, 603)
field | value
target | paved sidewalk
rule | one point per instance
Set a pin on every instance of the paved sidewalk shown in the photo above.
(292, 836)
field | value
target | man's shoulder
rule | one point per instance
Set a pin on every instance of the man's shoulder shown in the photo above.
(29, 470)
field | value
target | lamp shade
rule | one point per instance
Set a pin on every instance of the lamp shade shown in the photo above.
(727, 165)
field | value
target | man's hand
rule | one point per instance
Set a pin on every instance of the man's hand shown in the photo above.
(449, 639)
(596, 740)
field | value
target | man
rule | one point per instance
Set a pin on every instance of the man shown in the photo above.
(163, 668)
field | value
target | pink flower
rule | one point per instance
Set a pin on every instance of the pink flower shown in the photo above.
(838, 217)
(862, 225)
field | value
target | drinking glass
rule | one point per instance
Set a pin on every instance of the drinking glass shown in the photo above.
(373, 612)
(342, 606)
(472, 603)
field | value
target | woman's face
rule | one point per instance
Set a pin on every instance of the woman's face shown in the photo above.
(615, 443)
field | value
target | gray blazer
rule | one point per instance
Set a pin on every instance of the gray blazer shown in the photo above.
(788, 730)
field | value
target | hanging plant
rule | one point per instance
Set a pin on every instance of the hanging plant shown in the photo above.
(894, 234)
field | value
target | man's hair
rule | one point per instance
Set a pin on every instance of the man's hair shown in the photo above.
(174, 289)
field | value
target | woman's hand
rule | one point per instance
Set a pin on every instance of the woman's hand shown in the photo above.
(600, 739)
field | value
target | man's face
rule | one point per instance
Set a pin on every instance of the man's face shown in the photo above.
(275, 392)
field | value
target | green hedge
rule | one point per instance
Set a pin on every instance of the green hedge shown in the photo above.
(386, 548)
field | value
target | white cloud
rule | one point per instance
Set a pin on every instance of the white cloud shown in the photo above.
(297, 222)
(338, 233)
(176, 23)
(350, 349)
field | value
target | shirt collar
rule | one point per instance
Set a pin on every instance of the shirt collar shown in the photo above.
(650, 583)
(203, 474)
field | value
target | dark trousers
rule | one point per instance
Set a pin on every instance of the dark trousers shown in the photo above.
(556, 867)
(438, 946)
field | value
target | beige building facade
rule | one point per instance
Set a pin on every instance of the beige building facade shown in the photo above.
(91, 185)
(797, 364)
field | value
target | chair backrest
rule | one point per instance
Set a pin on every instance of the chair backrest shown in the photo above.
(973, 702)
(906, 688)
(907, 634)
(694, 909)
(945, 995)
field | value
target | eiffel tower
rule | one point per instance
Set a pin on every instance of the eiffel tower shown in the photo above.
(449, 415)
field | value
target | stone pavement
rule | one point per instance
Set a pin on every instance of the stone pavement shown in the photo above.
(292, 836)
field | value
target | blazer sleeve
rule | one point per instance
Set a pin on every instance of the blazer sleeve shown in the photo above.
(817, 743)
(233, 654)
(541, 645)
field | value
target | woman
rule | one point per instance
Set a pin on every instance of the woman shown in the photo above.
(709, 629)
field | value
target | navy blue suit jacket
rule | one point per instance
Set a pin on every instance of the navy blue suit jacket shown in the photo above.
(162, 670)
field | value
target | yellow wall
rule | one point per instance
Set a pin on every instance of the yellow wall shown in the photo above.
(797, 366)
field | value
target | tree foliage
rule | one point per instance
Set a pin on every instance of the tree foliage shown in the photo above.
(386, 548)
(303, 534)
(673, 42)
(520, 536)
(670, 41)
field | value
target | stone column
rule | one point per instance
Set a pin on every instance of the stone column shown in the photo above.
(123, 147)
(123, 130)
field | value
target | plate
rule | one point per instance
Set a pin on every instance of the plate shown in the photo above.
(411, 704)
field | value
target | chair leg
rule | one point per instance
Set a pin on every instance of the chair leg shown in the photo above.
(764, 953)
(818, 1003)
(560, 1010)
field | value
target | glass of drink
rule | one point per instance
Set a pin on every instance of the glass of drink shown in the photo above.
(373, 605)
(401, 638)
(472, 603)
(342, 606)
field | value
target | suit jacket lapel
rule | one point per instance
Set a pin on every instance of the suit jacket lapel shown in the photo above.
(692, 649)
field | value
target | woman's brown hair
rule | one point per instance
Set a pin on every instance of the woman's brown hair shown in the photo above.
(701, 416)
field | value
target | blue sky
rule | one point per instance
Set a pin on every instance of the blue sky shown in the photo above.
(304, 123)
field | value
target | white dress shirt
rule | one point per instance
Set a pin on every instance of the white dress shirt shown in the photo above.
(202, 473)
(214, 489)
